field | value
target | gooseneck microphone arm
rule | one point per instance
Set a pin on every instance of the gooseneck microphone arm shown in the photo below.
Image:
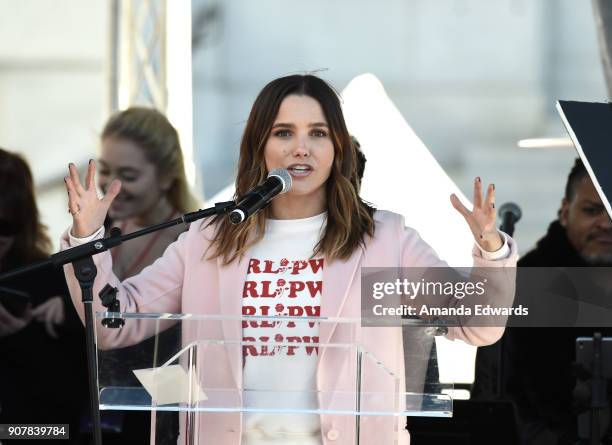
(85, 272)
(102, 245)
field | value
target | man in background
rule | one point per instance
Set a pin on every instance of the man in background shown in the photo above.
(540, 378)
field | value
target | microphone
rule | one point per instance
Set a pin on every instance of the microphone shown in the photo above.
(510, 213)
(279, 181)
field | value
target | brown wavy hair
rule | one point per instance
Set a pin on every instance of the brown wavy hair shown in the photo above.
(154, 134)
(349, 218)
(18, 207)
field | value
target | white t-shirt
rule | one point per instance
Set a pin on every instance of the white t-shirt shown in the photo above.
(283, 280)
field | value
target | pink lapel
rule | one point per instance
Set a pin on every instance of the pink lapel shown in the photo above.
(231, 284)
(337, 279)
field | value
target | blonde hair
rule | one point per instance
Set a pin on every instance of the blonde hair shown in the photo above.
(349, 218)
(154, 134)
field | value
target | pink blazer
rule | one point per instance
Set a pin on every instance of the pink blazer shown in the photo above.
(182, 282)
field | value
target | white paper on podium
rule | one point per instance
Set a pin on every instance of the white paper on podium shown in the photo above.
(171, 384)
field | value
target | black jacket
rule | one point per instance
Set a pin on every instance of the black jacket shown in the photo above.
(43, 379)
(540, 377)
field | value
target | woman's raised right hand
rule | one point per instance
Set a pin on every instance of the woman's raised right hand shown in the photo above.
(87, 209)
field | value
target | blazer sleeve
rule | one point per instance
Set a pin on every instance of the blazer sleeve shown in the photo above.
(156, 289)
(415, 252)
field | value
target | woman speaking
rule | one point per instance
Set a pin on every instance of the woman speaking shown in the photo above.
(321, 228)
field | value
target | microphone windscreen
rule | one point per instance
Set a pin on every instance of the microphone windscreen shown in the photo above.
(512, 208)
(284, 176)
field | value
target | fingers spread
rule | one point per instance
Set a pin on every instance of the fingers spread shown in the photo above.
(76, 181)
(477, 192)
(458, 205)
(72, 193)
(490, 199)
(73, 196)
(91, 174)
(469, 216)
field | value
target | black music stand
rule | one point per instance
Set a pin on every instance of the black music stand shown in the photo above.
(590, 127)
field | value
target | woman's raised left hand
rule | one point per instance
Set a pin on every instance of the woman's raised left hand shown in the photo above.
(481, 219)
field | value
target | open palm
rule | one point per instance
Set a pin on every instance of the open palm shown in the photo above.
(87, 209)
(481, 219)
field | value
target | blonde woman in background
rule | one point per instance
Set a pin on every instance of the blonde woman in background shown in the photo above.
(141, 148)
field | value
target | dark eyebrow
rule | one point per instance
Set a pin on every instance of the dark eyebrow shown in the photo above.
(282, 125)
(285, 125)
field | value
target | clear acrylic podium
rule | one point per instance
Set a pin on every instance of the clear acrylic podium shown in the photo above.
(254, 372)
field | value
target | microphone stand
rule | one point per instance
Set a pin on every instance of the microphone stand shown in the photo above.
(599, 399)
(511, 214)
(85, 272)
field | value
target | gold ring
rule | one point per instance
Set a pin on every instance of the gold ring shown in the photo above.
(74, 213)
